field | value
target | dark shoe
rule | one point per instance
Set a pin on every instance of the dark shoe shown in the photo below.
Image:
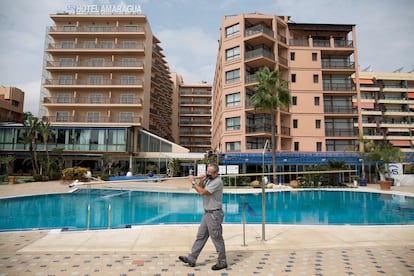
(184, 259)
(219, 266)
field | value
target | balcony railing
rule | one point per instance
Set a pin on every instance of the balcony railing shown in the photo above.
(337, 64)
(258, 29)
(89, 63)
(338, 87)
(340, 109)
(259, 53)
(138, 46)
(82, 119)
(87, 82)
(87, 100)
(340, 132)
(258, 128)
(98, 29)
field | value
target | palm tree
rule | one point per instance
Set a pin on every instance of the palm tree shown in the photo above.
(271, 93)
(31, 126)
(383, 152)
(45, 131)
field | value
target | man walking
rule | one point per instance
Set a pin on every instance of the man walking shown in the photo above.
(210, 187)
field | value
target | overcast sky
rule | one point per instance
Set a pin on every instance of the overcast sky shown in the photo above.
(189, 30)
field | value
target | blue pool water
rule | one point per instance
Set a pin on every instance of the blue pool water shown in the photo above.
(70, 210)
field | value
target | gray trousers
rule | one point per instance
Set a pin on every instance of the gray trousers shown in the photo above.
(210, 226)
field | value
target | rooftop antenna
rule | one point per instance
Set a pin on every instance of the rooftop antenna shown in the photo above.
(398, 70)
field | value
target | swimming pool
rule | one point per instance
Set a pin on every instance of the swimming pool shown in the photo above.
(100, 208)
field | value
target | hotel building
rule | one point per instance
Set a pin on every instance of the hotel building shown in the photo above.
(387, 108)
(11, 104)
(316, 59)
(194, 116)
(107, 89)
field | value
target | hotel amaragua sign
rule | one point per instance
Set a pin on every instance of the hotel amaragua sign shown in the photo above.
(104, 9)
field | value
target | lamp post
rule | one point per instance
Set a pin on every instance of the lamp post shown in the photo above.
(264, 182)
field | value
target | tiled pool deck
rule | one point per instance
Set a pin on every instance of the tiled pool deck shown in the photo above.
(154, 250)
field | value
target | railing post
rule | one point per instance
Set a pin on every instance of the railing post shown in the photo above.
(89, 217)
(109, 216)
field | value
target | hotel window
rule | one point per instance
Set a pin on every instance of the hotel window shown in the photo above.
(294, 100)
(95, 98)
(129, 62)
(315, 78)
(296, 146)
(233, 146)
(233, 30)
(316, 101)
(233, 53)
(63, 98)
(66, 62)
(233, 123)
(292, 56)
(129, 44)
(128, 80)
(233, 76)
(233, 99)
(65, 79)
(106, 44)
(127, 98)
(317, 123)
(295, 123)
(126, 117)
(62, 116)
(67, 45)
(93, 116)
(69, 28)
(318, 146)
(97, 62)
(90, 44)
(293, 78)
(95, 79)
(314, 56)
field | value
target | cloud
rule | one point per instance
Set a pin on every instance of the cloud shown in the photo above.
(190, 50)
(31, 96)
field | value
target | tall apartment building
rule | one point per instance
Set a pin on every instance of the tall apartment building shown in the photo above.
(11, 104)
(387, 108)
(316, 59)
(106, 70)
(194, 115)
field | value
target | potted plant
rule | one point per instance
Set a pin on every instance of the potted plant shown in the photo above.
(355, 179)
(382, 154)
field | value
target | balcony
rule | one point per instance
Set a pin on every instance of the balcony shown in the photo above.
(340, 110)
(96, 29)
(89, 101)
(258, 128)
(338, 87)
(82, 119)
(337, 64)
(50, 83)
(260, 57)
(341, 132)
(76, 47)
(93, 64)
(258, 29)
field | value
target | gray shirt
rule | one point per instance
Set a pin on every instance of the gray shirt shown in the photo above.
(214, 200)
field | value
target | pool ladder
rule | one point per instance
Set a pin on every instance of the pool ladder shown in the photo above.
(89, 217)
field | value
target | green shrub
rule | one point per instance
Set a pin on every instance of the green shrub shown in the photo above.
(74, 173)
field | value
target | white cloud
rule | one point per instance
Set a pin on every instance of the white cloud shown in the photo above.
(190, 51)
